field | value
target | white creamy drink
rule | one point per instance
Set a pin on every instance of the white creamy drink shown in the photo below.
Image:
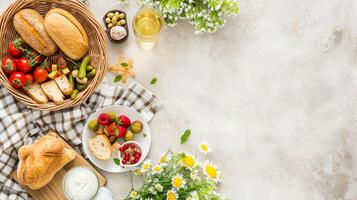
(80, 183)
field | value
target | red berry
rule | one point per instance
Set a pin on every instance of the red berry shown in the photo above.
(136, 160)
(124, 121)
(103, 119)
(124, 161)
(132, 146)
(133, 162)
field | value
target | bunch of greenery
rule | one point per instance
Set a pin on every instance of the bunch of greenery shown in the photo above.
(178, 176)
(206, 15)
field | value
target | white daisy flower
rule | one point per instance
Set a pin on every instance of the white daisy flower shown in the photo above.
(211, 171)
(188, 161)
(178, 182)
(171, 195)
(137, 172)
(159, 187)
(146, 166)
(133, 194)
(157, 169)
(164, 158)
(204, 147)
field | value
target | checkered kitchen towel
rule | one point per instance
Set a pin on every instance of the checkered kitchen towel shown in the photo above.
(20, 125)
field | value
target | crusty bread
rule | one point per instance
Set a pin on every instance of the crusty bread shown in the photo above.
(35, 91)
(53, 92)
(100, 147)
(67, 33)
(40, 161)
(29, 24)
(64, 85)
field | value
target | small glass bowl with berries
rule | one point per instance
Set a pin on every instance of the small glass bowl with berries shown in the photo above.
(130, 154)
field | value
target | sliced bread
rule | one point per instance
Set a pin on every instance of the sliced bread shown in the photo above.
(35, 91)
(53, 92)
(100, 147)
(64, 85)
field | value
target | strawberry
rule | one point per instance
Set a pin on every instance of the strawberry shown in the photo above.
(121, 131)
(124, 121)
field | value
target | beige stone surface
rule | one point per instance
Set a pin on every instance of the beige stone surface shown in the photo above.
(273, 92)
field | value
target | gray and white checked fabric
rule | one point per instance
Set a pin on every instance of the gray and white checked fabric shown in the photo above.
(20, 125)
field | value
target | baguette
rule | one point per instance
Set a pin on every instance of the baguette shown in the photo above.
(35, 91)
(64, 85)
(53, 92)
(67, 32)
(100, 147)
(29, 24)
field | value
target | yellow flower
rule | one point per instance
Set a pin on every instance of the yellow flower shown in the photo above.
(171, 195)
(146, 166)
(211, 171)
(188, 161)
(178, 181)
(137, 172)
(157, 169)
(204, 147)
(133, 194)
(163, 158)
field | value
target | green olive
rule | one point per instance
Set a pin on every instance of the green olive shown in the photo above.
(117, 14)
(122, 22)
(114, 20)
(122, 16)
(108, 20)
(118, 24)
(110, 25)
(110, 15)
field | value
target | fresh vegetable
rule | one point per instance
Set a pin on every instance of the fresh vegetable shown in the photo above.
(89, 68)
(23, 65)
(74, 73)
(103, 119)
(82, 81)
(91, 74)
(40, 74)
(74, 94)
(81, 87)
(83, 69)
(71, 81)
(17, 80)
(129, 136)
(15, 48)
(111, 128)
(121, 131)
(8, 65)
(93, 125)
(29, 79)
(136, 127)
(124, 121)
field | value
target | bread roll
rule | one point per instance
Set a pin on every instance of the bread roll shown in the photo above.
(29, 24)
(67, 32)
(40, 161)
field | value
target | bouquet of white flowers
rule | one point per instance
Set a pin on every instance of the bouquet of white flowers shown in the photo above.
(205, 15)
(178, 176)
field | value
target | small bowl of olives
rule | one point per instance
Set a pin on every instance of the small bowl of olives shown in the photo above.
(116, 25)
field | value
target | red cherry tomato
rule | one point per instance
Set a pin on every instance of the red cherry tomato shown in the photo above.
(40, 75)
(8, 65)
(15, 48)
(17, 80)
(29, 79)
(23, 65)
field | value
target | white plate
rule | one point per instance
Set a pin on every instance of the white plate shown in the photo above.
(109, 165)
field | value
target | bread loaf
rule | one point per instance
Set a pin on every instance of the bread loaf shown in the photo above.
(100, 147)
(53, 92)
(66, 31)
(29, 24)
(64, 85)
(35, 91)
(39, 162)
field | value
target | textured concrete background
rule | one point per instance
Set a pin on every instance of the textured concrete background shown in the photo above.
(273, 92)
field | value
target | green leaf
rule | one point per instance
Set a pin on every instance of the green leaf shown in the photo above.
(153, 81)
(185, 136)
(124, 64)
(116, 161)
(144, 135)
(117, 78)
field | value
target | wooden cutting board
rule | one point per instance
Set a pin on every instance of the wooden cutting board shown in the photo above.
(53, 190)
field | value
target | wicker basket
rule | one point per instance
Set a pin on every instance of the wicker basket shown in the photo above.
(97, 46)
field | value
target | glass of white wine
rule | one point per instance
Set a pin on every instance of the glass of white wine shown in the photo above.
(147, 25)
